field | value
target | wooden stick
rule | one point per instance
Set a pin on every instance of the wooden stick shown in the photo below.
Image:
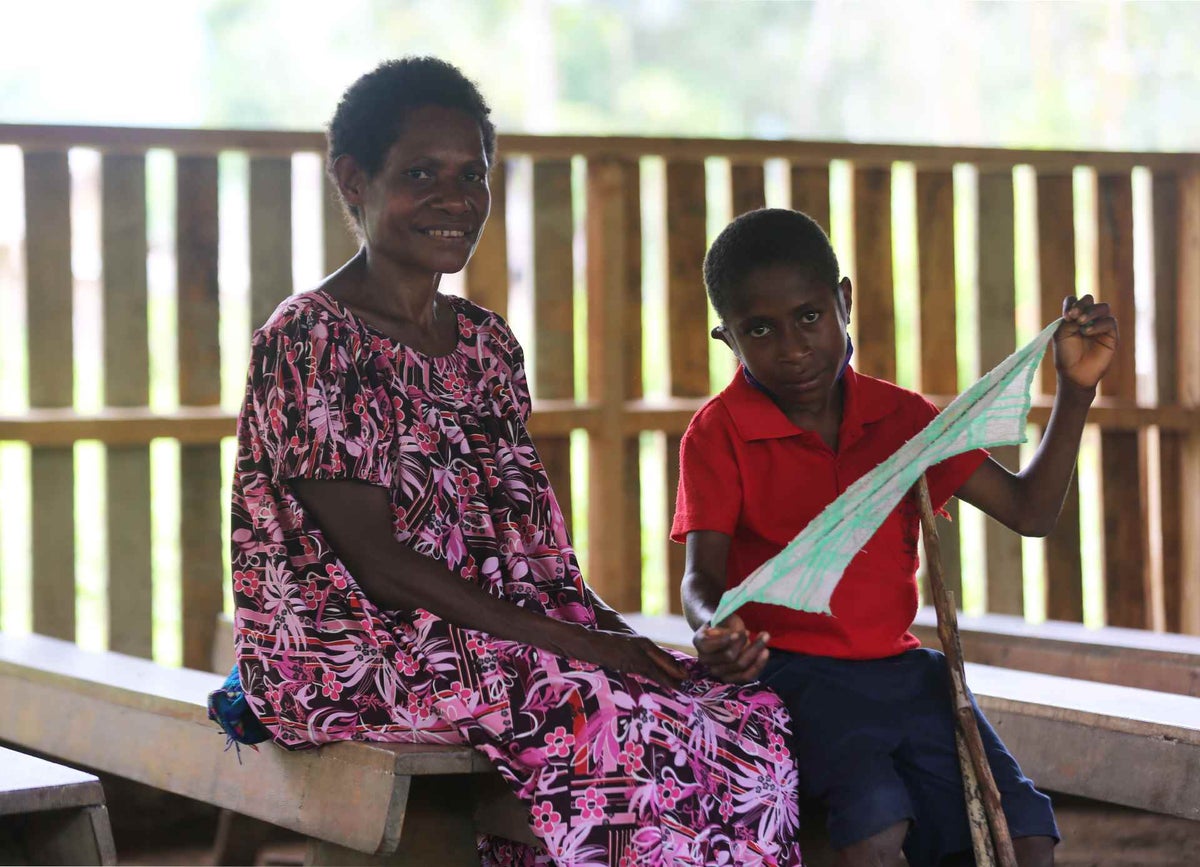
(981, 837)
(947, 617)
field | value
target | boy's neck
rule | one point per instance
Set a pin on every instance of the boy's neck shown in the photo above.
(822, 418)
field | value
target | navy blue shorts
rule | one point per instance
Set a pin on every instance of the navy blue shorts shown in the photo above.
(875, 743)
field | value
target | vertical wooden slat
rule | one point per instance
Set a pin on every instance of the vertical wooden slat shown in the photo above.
(875, 319)
(748, 187)
(201, 551)
(939, 336)
(338, 239)
(810, 192)
(553, 311)
(270, 235)
(127, 383)
(631, 560)
(1187, 318)
(997, 339)
(487, 272)
(1056, 276)
(1165, 193)
(612, 241)
(687, 313)
(1126, 578)
(51, 384)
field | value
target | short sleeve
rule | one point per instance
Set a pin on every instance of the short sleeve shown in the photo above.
(320, 414)
(709, 496)
(947, 477)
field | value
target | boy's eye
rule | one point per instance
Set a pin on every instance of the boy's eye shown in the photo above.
(759, 331)
(810, 316)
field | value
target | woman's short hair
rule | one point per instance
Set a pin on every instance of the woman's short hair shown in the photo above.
(766, 237)
(373, 110)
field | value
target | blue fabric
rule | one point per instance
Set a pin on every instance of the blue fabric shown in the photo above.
(228, 708)
(875, 743)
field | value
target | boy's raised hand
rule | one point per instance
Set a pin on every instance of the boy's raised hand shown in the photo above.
(1086, 342)
(728, 651)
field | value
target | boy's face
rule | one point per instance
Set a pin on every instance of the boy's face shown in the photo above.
(789, 330)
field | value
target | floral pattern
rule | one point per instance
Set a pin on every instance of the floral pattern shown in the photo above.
(614, 768)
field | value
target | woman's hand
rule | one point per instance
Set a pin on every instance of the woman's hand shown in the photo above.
(1086, 342)
(728, 651)
(627, 654)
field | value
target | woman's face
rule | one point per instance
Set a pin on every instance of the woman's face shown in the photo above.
(426, 207)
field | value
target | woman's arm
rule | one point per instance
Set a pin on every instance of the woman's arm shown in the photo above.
(356, 519)
(726, 649)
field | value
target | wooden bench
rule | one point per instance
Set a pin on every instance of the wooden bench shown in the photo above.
(1112, 743)
(1110, 654)
(50, 814)
(357, 802)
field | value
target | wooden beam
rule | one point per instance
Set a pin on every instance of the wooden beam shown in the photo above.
(487, 272)
(214, 141)
(1188, 331)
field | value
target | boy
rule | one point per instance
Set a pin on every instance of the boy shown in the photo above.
(873, 730)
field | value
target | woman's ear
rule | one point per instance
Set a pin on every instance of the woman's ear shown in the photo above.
(351, 179)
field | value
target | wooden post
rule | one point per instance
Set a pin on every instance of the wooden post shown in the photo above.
(1187, 316)
(997, 340)
(687, 315)
(611, 243)
(487, 272)
(967, 728)
(747, 182)
(810, 192)
(873, 281)
(270, 235)
(201, 550)
(1056, 276)
(127, 384)
(48, 305)
(939, 332)
(554, 312)
(1126, 543)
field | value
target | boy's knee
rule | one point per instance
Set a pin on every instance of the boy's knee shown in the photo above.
(878, 850)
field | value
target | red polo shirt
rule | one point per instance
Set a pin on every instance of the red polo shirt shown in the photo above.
(748, 472)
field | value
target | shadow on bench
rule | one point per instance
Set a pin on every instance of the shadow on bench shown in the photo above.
(413, 804)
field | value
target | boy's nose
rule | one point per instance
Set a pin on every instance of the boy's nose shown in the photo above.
(796, 345)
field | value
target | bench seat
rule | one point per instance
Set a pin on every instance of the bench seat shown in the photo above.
(1113, 743)
(148, 723)
(50, 814)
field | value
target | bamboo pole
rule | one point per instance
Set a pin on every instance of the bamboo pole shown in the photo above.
(978, 783)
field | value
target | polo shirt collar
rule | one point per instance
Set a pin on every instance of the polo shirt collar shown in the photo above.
(756, 416)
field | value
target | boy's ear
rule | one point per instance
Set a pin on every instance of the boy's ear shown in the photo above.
(845, 293)
(721, 333)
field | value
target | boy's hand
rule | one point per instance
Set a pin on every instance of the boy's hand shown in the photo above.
(1086, 342)
(728, 651)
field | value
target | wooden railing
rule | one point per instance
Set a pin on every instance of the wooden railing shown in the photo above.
(1149, 431)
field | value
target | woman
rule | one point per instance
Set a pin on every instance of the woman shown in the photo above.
(401, 566)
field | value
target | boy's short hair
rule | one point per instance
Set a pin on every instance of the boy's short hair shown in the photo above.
(766, 237)
(373, 110)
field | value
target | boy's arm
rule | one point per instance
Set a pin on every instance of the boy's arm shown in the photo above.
(726, 649)
(1029, 502)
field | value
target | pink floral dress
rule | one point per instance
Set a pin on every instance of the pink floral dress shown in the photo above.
(615, 770)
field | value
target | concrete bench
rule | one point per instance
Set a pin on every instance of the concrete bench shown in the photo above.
(50, 814)
(357, 802)
(1112, 743)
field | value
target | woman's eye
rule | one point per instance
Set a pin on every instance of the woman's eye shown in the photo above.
(418, 174)
(475, 177)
